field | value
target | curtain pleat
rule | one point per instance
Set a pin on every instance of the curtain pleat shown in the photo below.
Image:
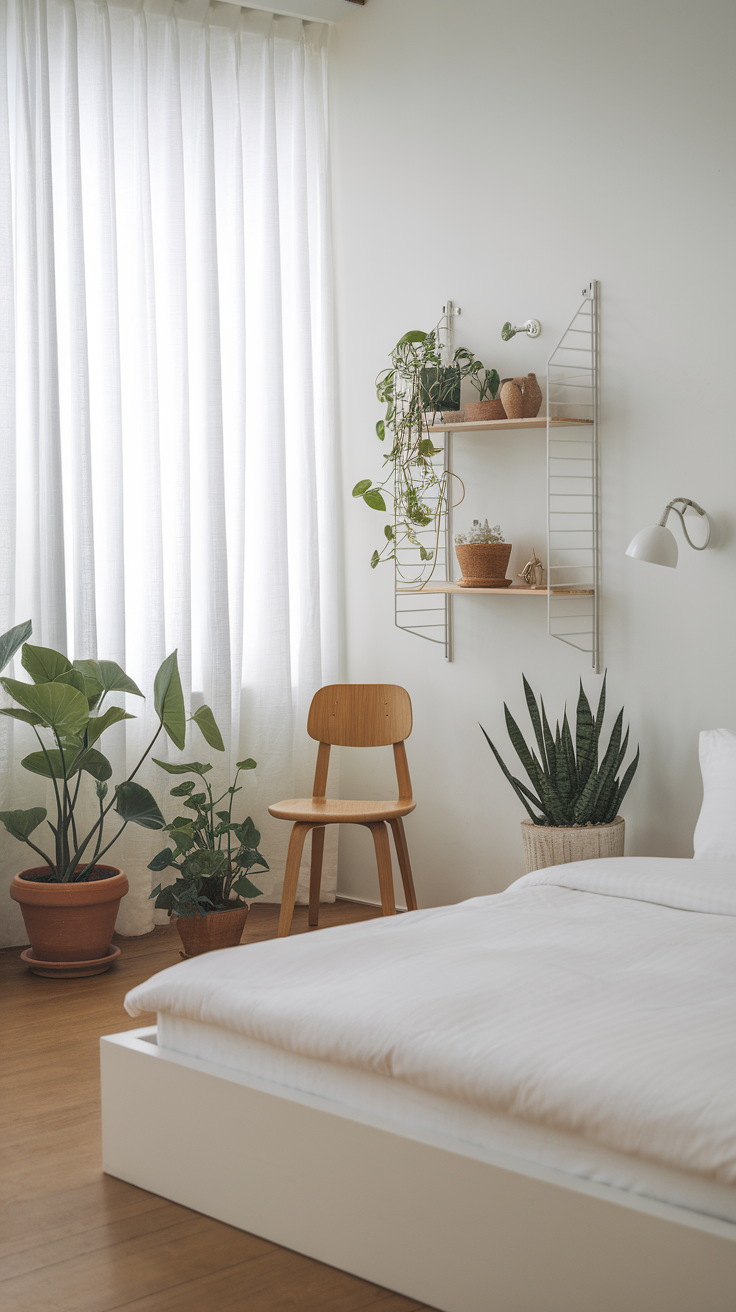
(167, 414)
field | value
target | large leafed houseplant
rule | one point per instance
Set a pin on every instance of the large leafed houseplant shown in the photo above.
(70, 901)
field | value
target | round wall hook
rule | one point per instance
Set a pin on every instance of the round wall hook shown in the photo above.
(532, 328)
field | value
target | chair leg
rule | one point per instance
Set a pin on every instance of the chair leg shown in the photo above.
(291, 876)
(383, 861)
(402, 852)
(315, 872)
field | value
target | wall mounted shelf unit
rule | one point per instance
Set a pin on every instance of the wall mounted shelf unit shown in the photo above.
(424, 605)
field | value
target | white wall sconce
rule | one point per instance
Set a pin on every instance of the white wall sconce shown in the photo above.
(657, 544)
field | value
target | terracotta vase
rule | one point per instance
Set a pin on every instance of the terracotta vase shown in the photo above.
(532, 393)
(512, 398)
(484, 564)
(550, 845)
(218, 929)
(70, 926)
(481, 411)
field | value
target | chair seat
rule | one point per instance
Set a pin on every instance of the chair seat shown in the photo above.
(335, 811)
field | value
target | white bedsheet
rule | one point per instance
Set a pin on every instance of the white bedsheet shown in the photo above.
(597, 999)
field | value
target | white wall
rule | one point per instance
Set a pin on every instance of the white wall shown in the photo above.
(502, 155)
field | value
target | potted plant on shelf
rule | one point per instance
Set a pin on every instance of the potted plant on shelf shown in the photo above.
(577, 799)
(213, 855)
(412, 389)
(489, 404)
(69, 904)
(483, 556)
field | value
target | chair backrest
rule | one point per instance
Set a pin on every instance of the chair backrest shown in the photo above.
(360, 715)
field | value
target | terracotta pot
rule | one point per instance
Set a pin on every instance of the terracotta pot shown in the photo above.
(218, 929)
(484, 564)
(549, 845)
(532, 396)
(70, 923)
(512, 398)
(481, 411)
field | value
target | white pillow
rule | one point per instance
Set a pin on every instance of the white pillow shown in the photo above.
(715, 832)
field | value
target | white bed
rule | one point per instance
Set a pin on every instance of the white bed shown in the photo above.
(574, 1034)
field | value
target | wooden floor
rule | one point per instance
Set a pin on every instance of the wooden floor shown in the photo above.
(75, 1240)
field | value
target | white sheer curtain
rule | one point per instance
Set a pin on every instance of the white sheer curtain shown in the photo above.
(167, 474)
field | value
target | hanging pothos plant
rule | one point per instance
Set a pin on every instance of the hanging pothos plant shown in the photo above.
(414, 388)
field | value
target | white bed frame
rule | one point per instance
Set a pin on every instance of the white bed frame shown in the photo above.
(458, 1228)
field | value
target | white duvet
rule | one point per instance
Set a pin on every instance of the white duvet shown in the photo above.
(598, 998)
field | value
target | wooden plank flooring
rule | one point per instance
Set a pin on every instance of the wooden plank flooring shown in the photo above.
(75, 1240)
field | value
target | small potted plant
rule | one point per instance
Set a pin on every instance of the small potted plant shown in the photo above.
(483, 556)
(70, 902)
(213, 855)
(577, 799)
(489, 404)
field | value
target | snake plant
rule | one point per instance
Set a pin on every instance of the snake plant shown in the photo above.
(571, 788)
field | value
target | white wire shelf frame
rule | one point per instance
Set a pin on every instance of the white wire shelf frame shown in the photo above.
(424, 590)
(572, 482)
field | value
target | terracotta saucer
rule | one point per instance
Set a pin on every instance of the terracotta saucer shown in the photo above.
(484, 583)
(69, 969)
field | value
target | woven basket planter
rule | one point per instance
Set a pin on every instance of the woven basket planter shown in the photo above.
(548, 845)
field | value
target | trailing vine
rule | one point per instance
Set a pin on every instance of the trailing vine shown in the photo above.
(415, 387)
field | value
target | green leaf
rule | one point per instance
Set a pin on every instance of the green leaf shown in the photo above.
(205, 721)
(388, 532)
(585, 737)
(381, 434)
(248, 764)
(534, 716)
(623, 788)
(374, 559)
(74, 679)
(514, 783)
(56, 704)
(244, 888)
(97, 724)
(135, 804)
(182, 790)
(43, 663)
(168, 700)
(110, 675)
(22, 823)
(204, 864)
(48, 764)
(247, 834)
(374, 499)
(193, 767)
(12, 640)
(361, 487)
(161, 861)
(414, 336)
(16, 714)
(94, 763)
(184, 838)
(427, 447)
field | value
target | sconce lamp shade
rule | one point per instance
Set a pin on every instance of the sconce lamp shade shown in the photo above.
(655, 544)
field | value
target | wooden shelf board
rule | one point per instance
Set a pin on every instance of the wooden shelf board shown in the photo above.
(539, 422)
(513, 591)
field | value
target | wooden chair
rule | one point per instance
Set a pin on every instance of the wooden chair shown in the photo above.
(351, 715)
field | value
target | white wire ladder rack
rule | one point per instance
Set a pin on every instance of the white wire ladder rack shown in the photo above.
(572, 482)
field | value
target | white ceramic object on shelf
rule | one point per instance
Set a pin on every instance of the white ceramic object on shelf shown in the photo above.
(550, 845)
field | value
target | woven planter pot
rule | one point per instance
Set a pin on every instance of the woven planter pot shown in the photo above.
(484, 564)
(479, 412)
(548, 845)
(70, 926)
(218, 929)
